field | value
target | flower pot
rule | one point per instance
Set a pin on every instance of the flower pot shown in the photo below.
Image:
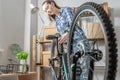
(23, 66)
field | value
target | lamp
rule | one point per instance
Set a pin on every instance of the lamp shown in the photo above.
(34, 9)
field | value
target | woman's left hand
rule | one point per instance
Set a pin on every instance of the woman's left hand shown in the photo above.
(63, 38)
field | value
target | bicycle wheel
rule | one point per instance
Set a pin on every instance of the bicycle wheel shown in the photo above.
(99, 30)
(52, 60)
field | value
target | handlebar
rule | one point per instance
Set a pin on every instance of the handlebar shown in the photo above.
(50, 37)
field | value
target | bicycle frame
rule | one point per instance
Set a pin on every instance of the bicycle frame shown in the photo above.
(60, 58)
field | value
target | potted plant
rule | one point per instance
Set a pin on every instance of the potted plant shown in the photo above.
(22, 56)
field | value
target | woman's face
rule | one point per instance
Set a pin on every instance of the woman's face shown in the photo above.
(49, 8)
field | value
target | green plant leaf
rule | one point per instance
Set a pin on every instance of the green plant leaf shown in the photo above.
(22, 55)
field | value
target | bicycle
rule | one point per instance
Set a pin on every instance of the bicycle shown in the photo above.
(105, 56)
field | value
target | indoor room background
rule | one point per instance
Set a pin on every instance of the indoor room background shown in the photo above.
(17, 24)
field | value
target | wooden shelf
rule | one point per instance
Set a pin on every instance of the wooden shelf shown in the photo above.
(91, 39)
(47, 41)
(38, 64)
(46, 52)
(41, 65)
(44, 66)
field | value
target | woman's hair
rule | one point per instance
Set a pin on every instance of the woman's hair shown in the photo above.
(51, 17)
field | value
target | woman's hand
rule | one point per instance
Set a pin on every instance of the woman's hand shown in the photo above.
(63, 38)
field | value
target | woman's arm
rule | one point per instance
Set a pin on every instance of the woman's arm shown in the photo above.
(69, 15)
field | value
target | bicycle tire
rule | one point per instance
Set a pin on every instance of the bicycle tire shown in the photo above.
(109, 38)
(56, 65)
(52, 63)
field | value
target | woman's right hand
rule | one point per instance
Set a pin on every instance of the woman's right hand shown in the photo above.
(63, 38)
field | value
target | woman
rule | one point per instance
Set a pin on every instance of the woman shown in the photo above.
(63, 18)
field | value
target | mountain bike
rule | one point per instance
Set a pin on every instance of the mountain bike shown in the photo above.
(99, 31)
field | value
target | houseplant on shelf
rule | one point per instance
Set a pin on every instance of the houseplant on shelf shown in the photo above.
(22, 56)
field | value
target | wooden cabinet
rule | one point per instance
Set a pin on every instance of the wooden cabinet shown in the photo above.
(44, 54)
(94, 30)
(49, 30)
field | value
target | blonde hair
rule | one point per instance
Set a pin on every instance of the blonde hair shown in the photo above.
(51, 17)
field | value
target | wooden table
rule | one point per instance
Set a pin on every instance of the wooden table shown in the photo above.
(20, 76)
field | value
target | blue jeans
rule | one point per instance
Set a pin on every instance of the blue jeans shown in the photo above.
(84, 61)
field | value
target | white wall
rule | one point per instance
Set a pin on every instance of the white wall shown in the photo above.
(1, 31)
(12, 26)
(0, 20)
